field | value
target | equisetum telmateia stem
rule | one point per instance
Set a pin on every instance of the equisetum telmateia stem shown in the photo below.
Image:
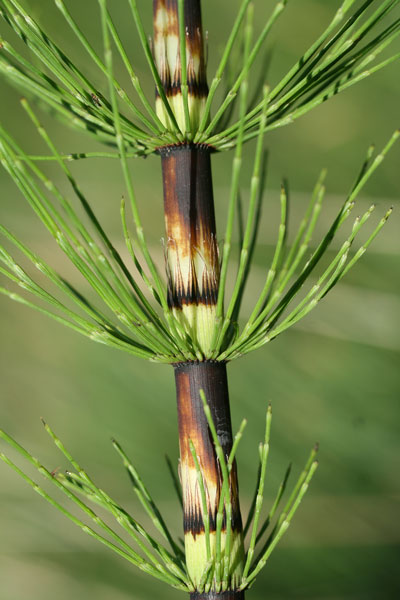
(193, 279)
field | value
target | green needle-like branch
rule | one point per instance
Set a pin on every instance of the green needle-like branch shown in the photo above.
(345, 53)
(149, 329)
(289, 270)
(149, 564)
(192, 316)
(147, 501)
(151, 556)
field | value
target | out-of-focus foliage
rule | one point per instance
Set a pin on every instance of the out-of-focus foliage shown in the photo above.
(334, 379)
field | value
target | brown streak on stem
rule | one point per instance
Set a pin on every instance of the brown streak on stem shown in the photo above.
(167, 48)
(192, 265)
(190, 379)
(192, 250)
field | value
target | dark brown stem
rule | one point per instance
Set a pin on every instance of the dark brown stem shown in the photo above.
(190, 379)
(192, 251)
(193, 276)
(166, 27)
(193, 280)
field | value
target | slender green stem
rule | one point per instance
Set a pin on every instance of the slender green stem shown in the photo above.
(126, 521)
(250, 57)
(120, 142)
(200, 481)
(221, 67)
(244, 252)
(125, 549)
(146, 499)
(221, 507)
(274, 507)
(236, 168)
(136, 81)
(264, 451)
(259, 564)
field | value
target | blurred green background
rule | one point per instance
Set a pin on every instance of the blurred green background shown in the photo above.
(333, 378)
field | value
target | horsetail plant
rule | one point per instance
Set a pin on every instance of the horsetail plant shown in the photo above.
(187, 318)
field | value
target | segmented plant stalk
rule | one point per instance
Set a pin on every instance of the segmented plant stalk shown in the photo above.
(193, 280)
(191, 247)
(194, 332)
(206, 535)
(178, 33)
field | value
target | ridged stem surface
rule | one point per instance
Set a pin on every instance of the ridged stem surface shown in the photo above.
(210, 377)
(191, 245)
(213, 530)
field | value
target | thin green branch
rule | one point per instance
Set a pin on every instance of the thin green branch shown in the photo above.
(264, 451)
(249, 59)
(260, 563)
(175, 481)
(250, 225)
(332, 72)
(146, 500)
(103, 68)
(221, 67)
(274, 507)
(77, 88)
(126, 521)
(225, 503)
(269, 307)
(203, 496)
(236, 168)
(123, 549)
(89, 269)
(336, 60)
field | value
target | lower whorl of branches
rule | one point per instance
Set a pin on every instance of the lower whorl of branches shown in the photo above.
(210, 377)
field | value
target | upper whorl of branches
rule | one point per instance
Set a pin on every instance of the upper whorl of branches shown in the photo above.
(347, 51)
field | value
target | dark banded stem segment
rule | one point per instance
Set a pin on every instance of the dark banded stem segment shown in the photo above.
(211, 377)
(193, 281)
(167, 56)
(191, 248)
